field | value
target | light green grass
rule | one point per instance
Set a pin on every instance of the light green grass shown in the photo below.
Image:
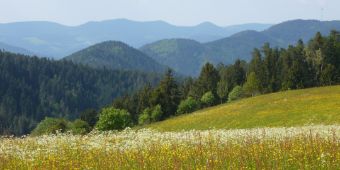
(283, 109)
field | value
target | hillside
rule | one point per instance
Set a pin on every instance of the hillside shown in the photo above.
(184, 56)
(290, 108)
(13, 49)
(116, 56)
(32, 88)
(239, 45)
(56, 40)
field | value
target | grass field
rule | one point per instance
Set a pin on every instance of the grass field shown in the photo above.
(312, 147)
(288, 130)
(290, 108)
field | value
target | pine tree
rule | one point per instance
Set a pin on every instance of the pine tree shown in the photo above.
(256, 65)
(207, 81)
(167, 95)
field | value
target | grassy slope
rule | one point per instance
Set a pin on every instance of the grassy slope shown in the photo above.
(290, 108)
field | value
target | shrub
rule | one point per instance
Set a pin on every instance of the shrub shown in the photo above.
(150, 115)
(208, 99)
(156, 113)
(235, 94)
(144, 118)
(79, 127)
(113, 119)
(90, 116)
(50, 126)
(187, 106)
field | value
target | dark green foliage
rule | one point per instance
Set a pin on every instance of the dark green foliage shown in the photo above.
(188, 105)
(79, 127)
(208, 79)
(235, 94)
(32, 89)
(167, 95)
(116, 56)
(50, 126)
(90, 116)
(113, 119)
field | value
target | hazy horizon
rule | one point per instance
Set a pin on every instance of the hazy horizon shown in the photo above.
(175, 12)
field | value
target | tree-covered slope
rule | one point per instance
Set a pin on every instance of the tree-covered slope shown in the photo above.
(183, 55)
(33, 88)
(237, 46)
(116, 56)
(13, 49)
(289, 32)
(283, 109)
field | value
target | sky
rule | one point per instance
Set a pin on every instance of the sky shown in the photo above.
(177, 12)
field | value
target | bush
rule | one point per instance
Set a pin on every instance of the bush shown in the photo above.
(187, 106)
(50, 126)
(150, 115)
(79, 127)
(113, 119)
(235, 94)
(156, 113)
(208, 99)
(90, 116)
(144, 118)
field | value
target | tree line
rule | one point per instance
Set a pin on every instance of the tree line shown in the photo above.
(33, 88)
(299, 66)
(314, 64)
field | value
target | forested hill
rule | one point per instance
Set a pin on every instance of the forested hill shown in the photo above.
(238, 46)
(14, 49)
(33, 88)
(116, 55)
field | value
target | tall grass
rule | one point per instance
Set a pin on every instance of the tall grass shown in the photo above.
(311, 147)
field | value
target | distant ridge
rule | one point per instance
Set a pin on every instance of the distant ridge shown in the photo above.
(237, 46)
(116, 55)
(13, 49)
(56, 40)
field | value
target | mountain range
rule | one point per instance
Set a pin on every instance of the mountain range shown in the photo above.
(185, 49)
(187, 56)
(55, 40)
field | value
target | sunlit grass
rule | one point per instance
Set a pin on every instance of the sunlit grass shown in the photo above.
(283, 109)
(312, 147)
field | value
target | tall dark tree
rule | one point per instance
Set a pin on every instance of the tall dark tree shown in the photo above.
(257, 66)
(239, 73)
(208, 79)
(271, 65)
(167, 95)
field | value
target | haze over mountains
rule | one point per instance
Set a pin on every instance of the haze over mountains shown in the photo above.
(14, 49)
(187, 56)
(56, 40)
(185, 49)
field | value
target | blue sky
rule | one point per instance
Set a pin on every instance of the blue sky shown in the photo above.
(178, 12)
